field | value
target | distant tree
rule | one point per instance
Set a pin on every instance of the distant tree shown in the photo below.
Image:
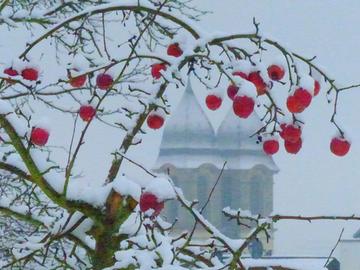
(52, 218)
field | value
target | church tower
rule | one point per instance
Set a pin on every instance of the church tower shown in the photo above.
(193, 155)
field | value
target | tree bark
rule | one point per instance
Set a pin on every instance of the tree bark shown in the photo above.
(107, 233)
(106, 246)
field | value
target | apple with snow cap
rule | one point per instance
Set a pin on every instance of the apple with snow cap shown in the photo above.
(155, 120)
(317, 87)
(104, 81)
(156, 70)
(149, 201)
(271, 146)
(242, 68)
(77, 81)
(276, 72)
(294, 105)
(39, 136)
(12, 73)
(290, 132)
(256, 78)
(240, 74)
(174, 50)
(293, 147)
(339, 146)
(87, 112)
(30, 74)
(232, 91)
(299, 100)
(303, 96)
(243, 106)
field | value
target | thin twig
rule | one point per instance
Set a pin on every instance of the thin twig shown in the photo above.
(332, 251)
(213, 188)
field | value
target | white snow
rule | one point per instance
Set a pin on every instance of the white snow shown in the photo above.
(96, 194)
(162, 188)
(308, 83)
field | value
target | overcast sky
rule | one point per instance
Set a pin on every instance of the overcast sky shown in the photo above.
(312, 182)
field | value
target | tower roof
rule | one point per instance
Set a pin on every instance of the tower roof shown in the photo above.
(188, 126)
(190, 141)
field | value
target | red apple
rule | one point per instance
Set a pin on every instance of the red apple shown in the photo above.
(243, 106)
(232, 91)
(39, 136)
(258, 81)
(156, 70)
(339, 146)
(213, 102)
(293, 104)
(271, 146)
(77, 81)
(104, 81)
(316, 88)
(240, 74)
(87, 112)
(150, 201)
(303, 96)
(11, 72)
(293, 147)
(275, 72)
(30, 74)
(155, 121)
(290, 133)
(174, 50)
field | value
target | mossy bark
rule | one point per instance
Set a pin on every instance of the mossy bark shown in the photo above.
(106, 246)
(107, 236)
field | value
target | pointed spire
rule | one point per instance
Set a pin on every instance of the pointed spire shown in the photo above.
(189, 139)
(188, 88)
(188, 126)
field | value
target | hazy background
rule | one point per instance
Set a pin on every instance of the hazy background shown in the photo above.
(314, 182)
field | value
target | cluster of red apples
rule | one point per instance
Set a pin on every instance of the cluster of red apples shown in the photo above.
(243, 105)
(40, 135)
(27, 73)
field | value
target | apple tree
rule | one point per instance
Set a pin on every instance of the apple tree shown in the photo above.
(114, 62)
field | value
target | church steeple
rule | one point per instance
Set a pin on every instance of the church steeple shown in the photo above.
(193, 155)
(187, 131)
(190, 141)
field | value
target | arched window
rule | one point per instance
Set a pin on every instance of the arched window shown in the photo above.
(226, 187)
(232, 195)
(171, 211)
(256, 197)
(202, 190)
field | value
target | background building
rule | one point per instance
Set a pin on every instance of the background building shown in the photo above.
(192, 153)
(348, 250)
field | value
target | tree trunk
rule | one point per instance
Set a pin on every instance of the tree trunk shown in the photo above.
(106, 233)
(106, 246)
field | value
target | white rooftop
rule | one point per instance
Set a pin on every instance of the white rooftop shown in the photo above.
(190, 141)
